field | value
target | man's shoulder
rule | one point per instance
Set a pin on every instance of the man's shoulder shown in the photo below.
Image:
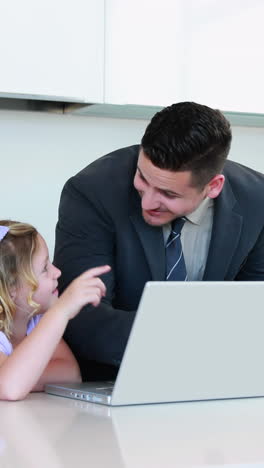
(247, 186)
(118, 162)
(242, 176)
(107, 178)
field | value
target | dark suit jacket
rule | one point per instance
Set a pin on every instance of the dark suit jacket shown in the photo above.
(100, 222)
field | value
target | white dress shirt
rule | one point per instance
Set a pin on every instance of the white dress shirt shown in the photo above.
(195, 238)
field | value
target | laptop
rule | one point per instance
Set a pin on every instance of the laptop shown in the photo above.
(190, 341)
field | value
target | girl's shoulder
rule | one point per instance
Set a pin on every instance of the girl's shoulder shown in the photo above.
(5, 345)
(33, 323)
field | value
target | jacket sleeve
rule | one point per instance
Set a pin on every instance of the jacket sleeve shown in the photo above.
(85, 238)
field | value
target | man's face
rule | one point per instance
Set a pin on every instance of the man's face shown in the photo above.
(166, 195)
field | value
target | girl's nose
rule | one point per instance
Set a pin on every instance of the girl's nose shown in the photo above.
(56, 271)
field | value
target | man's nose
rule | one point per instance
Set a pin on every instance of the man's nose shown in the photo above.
(150, 200)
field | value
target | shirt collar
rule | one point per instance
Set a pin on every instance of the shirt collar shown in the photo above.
(196, 217)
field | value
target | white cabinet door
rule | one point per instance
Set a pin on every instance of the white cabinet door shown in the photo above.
(226, 54)
(144, 51)
(210, 51)
(52, 48)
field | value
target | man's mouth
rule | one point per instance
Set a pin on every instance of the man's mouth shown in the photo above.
(154, 212)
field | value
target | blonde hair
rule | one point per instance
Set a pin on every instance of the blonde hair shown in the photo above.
(16, 251)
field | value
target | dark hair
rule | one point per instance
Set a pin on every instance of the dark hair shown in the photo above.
(188, 137)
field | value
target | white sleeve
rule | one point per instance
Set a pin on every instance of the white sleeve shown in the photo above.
(5, 345)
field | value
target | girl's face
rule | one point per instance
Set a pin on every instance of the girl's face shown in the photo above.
(46, 275)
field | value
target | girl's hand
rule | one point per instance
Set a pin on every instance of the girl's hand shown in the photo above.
(85, 289)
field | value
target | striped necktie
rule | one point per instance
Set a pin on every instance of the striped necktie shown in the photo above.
(176, 268)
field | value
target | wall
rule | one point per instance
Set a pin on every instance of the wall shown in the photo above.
(40, 151)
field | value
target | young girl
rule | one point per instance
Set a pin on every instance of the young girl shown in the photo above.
(32, 318)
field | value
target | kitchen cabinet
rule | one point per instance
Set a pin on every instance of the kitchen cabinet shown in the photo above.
(143, 53)
(160, 52)
(52, 49)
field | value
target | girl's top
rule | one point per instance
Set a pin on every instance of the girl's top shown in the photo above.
(5, 345)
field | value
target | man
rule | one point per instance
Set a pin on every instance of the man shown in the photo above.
(120, 209)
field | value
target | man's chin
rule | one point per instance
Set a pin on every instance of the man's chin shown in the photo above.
(155, 219)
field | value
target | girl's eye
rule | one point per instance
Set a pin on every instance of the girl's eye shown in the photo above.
(45, 269)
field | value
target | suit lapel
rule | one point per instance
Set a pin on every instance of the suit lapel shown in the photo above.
(226, 232)
(152, 241)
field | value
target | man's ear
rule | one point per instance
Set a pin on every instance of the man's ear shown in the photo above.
(215, 186)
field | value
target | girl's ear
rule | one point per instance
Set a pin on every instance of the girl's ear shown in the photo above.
(13, 293)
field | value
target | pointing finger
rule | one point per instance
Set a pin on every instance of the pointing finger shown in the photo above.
(97, 271)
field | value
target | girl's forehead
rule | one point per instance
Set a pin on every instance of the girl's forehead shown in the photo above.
(41, 243)
(41, 249)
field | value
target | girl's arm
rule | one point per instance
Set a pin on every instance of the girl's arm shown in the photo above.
(22, 370)
(24, 367)
(62, 367)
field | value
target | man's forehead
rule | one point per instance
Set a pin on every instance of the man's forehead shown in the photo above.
(163, 178)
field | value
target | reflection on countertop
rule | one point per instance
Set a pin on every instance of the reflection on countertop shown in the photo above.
(55, 432)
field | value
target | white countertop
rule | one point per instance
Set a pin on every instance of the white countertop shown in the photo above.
(55, 432)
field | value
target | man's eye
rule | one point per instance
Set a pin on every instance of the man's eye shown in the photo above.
(141, 176)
